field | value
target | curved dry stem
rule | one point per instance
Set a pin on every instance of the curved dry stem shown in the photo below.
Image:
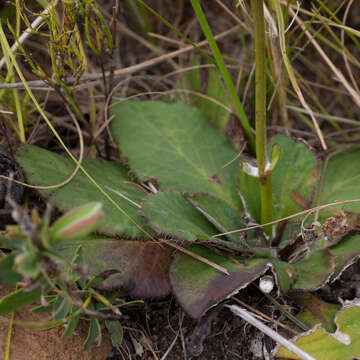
(340, 77)
(304, 212)
(290, 70)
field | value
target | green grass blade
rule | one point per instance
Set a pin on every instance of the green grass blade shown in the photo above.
(173, 28)
(223, 70)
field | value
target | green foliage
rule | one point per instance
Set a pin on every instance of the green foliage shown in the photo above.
(175, 149)
(136, 266)
(197, 286)
(18, 299)
(314, 271)
(315, 311)
(209, 106)
(344, 344)
(77, 223)
(182, 151)
(199, 198)
(106, 174)
(293, 180)
(169, 213)
(116, 331)
(7, 275)
(94, 334)
(36, 257)
(347, 251)
(188, 154)
(221, 214)
(342, 180)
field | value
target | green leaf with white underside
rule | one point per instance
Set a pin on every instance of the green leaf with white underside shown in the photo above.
(177, 146)
(342, 181)
(344, 344)
(43, 167)
(315, 310)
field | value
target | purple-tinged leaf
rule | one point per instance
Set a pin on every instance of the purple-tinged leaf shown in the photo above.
(198, 287)
(140, 268)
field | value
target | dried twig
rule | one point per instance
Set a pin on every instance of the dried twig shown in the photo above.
(42, 85)
(28, 32)
(246, 315)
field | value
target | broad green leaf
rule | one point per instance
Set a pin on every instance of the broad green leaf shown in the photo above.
(342, 181)
(315, 310)
(200, 217)
(343, 345)
(221, 214)
(7, 274)
(285, 274)
(197, 286)
(293, 180)
(317, 267)
(175, 145)
(346, 252)
(314, 271)
(43, 167)
(18, 299)
(171, 214)
(141, 268)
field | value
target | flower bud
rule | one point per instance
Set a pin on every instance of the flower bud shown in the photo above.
(77, 223)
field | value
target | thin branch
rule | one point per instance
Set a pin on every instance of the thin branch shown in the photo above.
(304, 212)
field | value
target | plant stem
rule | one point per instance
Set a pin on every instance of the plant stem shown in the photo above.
(260, 112)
